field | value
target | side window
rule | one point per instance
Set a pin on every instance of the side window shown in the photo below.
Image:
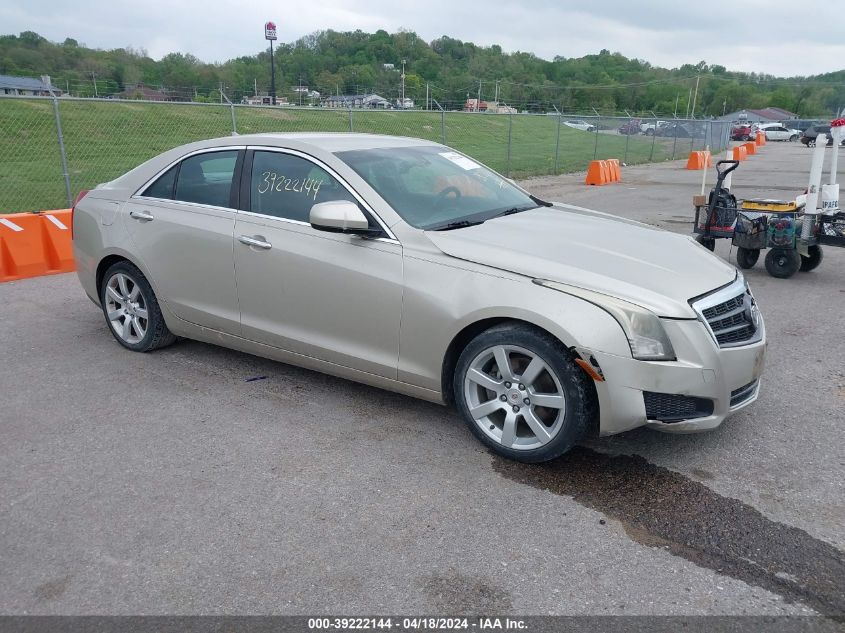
(206, 178)
(163, 187)
(287, 186)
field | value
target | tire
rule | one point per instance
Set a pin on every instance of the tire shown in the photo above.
(747, 257)
(707, 242)
(745, 137)
(516, 429)
(782, 262)
(812, 261)
(793, 138)
(126, 295)
(811, 142)
(649, 132)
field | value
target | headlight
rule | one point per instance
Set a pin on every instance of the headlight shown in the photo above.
(645, 333)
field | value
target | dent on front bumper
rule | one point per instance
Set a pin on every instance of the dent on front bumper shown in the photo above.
(702, 370)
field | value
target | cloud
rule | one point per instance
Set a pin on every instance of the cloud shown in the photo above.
(773, 36)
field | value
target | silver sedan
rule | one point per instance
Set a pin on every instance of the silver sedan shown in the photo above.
(404, 264)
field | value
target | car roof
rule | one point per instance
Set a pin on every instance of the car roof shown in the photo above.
(325, 141)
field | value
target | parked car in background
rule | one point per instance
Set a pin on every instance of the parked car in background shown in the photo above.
(631, 127)
(687, 129)
(580, 125)
(809, 136)
(778, 132)
(405, 265)
(801, 124)
(649, 128)
(743, 132)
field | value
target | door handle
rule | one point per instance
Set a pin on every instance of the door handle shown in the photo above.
(254, 241)
(141, 215)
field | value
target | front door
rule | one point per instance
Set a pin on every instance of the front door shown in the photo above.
(330, 296)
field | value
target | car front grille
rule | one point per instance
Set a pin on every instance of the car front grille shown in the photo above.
(730, 315)
(670, 407)
(738, 396)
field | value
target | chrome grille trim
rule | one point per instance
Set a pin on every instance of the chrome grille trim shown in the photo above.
(730, 315)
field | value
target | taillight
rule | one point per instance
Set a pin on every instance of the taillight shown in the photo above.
(79, 197)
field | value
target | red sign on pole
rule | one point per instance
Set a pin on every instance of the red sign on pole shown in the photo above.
(269, 31)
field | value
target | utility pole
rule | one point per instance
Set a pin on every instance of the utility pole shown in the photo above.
(403, 84)
(689, 99)
(496, 100)
(695, 98)
(675, 114)
(427, 103)
(478, 101)
(255, 86)
(221, 92)
(94, 79)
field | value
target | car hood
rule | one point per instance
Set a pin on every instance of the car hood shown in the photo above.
(571, 245)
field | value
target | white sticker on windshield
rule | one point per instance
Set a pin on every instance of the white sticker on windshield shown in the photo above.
(460, 161)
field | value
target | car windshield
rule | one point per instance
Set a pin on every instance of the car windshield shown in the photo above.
(433, 187)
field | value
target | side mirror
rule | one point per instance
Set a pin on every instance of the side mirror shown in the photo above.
(340, 216)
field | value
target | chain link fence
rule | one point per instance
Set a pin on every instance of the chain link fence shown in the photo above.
(51, 148)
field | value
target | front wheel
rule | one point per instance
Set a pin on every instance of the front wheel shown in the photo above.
(521, 394)
(131, 309)
(793, 138)
(814, 258)
(782, 262)
(747, 257)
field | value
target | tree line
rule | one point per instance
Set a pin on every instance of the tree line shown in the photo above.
(446, 70)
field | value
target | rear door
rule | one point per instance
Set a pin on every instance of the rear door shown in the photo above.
(330, 296)
(182, 225)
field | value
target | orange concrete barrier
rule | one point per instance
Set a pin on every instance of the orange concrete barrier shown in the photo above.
(699, 160)
(760, 139)
(601, 172)
(740, 153)
(750, 148)
(596, 173)
(34, 244)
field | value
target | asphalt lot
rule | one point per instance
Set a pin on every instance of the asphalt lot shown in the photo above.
(170, 483)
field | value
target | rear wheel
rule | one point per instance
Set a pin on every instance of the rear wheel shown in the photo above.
(747, 257)
(782, 262)
(812, 261)
(131, 309)
(793, 138)
(521, 395)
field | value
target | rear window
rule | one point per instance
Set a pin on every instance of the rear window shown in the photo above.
(206, 178)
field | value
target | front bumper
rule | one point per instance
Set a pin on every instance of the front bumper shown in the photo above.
(702, 370)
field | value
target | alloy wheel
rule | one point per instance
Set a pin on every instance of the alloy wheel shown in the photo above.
(126, 308)
(514, 397)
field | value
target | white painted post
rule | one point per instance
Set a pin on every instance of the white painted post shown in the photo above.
(729, 155)
(811, 210)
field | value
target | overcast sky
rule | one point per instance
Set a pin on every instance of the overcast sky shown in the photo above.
(772, 36)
